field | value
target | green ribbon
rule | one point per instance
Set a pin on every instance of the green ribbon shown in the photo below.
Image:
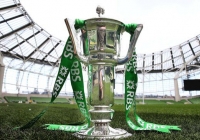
(70, 64)
(67, 56)
(131, 81)
(78, 88)
(67, 64)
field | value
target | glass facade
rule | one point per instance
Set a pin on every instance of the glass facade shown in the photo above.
(31, 57)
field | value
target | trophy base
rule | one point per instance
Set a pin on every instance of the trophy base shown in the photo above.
(112, 134)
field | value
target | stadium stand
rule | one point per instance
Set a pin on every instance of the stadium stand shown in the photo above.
(11, 99)
(155, 101)
(195, 100)
(47, 100)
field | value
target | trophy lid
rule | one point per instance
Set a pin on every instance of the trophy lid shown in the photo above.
(101, 21)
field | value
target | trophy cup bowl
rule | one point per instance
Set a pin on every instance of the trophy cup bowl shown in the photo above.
(97, 44)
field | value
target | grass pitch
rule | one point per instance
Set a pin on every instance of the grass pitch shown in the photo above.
(12, 115)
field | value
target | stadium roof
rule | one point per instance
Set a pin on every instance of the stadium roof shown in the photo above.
(22, 38)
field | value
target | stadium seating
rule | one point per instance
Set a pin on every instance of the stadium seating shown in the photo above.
(119, 101)
(61, 100)
(195, 100)
(47, 100)
(152, 101)
(11, 99)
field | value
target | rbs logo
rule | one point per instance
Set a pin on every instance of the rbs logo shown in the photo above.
(75, 72)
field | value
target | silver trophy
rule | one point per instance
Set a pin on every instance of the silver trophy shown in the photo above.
(97, 44)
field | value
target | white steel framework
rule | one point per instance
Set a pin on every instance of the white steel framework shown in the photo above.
(31, 57)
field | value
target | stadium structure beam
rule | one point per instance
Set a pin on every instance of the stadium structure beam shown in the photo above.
(161, 57)
(182, 55)
(51, 50)
(24, 41)
(38, 61)
(6, 20)
(151, 71)
(38, 47)
(2, 69)
(5, 74)
(17, 77)
(48, 81)
(39, 74)
(10, 33)
(28, 76)
(176, 90)
(191, 48)
(143, 73)
(172, 58)
(198, 39)
(152, 61)
(24, 70)
(9, 7)
(192, 51)
(143, 66)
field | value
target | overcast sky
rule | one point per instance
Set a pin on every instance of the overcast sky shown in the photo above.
(167, 23)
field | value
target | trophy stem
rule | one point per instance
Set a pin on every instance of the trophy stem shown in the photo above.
(101, 98)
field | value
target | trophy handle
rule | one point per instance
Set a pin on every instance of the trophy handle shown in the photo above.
(131, 48)
(75, 34)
